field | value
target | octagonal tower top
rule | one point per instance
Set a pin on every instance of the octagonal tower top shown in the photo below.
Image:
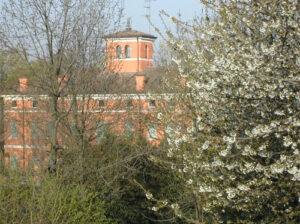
(129, 51)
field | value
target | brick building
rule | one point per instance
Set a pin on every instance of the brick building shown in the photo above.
(121, 103)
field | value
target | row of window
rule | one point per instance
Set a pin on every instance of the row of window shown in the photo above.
(14, 161)
(129, 103)
(128, 129)
(128, 51)
(14, 130)
(34, 104)
(100, 130)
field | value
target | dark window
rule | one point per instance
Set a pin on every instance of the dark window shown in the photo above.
(128, 128)
(152, 132)
(119, 51)
(14, 103)
(146, 51)
(129, 103)
(127, 51)
(14, 162)
(13, 130)
(50, 129)
(36, 160)
(101, 103)
(100, 132)
(34, 130)
(152, 103)
(172, 104)
(34, 104)
(73, 127)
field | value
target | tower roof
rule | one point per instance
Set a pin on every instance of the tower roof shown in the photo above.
(130, 33)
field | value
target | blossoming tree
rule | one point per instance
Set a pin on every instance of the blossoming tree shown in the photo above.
(239, 153)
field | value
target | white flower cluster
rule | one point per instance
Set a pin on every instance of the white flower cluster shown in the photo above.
(244, 88)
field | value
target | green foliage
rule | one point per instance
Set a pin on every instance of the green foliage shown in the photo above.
(29, 199)
(112, 168)
(130, 204)
(12, 66)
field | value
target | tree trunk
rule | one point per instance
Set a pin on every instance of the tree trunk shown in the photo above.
(79, 133)
(1, 133)
(52, 164)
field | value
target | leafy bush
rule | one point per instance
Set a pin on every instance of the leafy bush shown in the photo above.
(29, 199)
(112, 168)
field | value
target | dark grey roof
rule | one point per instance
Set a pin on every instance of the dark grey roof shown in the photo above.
(130, 33)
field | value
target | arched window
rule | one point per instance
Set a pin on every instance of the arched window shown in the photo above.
(146, 51)
(127, 51)
(119, 51)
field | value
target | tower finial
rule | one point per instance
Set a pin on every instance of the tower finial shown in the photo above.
(128, 26)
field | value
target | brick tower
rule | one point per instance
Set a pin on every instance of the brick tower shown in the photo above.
(129, 51)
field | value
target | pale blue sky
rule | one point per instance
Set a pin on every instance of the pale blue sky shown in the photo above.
(136, 10)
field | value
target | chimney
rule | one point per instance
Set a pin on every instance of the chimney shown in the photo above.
(140, 82)
(23, 84)
(61, 82)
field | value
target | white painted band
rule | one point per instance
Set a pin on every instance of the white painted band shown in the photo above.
(130, 39)
(25, 146)
(131, 59)
(137, 96)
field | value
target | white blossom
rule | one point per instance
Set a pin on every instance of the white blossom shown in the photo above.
(149, 196)
(277, 168)
(230, 193)
(243, 84)
(243, 188)
(205, 145)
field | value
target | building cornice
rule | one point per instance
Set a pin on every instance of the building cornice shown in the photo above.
(130, 39)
